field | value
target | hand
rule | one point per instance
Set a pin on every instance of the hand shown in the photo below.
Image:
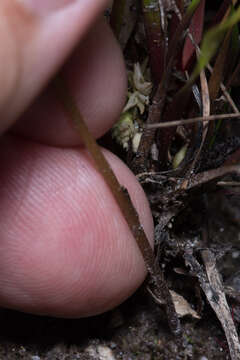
(65, 249)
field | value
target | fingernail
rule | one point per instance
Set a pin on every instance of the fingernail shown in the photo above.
(44, 7)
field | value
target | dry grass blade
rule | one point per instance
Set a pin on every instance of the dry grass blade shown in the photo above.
(205, 112)
(217, 299)
(211, 285)
(205, 94)
(193, 120)
(205, 102)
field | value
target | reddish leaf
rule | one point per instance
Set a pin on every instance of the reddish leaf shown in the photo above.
(196, 29)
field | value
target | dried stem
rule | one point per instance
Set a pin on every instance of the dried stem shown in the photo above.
(217, 299)
(105, 170)
(123, 200)
(193, 120)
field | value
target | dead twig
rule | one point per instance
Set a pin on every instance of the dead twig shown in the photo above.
(193, 120)
(210, 175)
(205, 113)
(217, 299)
(211, 285)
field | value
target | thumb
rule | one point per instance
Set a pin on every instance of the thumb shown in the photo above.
(36, 36)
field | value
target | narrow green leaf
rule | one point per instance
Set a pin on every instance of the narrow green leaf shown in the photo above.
(191, 8)
(212, 40)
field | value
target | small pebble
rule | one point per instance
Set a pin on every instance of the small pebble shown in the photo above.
(235, 254)
(105, 353)
(100, 352)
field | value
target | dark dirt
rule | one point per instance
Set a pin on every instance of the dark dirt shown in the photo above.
(143, 334)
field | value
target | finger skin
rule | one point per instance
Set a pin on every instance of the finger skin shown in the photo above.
(96, 77)
(65, 249)
(33, 48)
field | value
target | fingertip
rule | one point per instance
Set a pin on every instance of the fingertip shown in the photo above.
(34, 47)
(96, 77)
(68, 252)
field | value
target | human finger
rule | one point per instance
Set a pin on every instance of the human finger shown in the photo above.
(96, 77)
(36, 37)
(65, 248)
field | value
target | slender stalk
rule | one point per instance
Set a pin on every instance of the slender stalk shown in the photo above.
(123, 200)
(155, 32)
(106, 171)
(194, 120)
